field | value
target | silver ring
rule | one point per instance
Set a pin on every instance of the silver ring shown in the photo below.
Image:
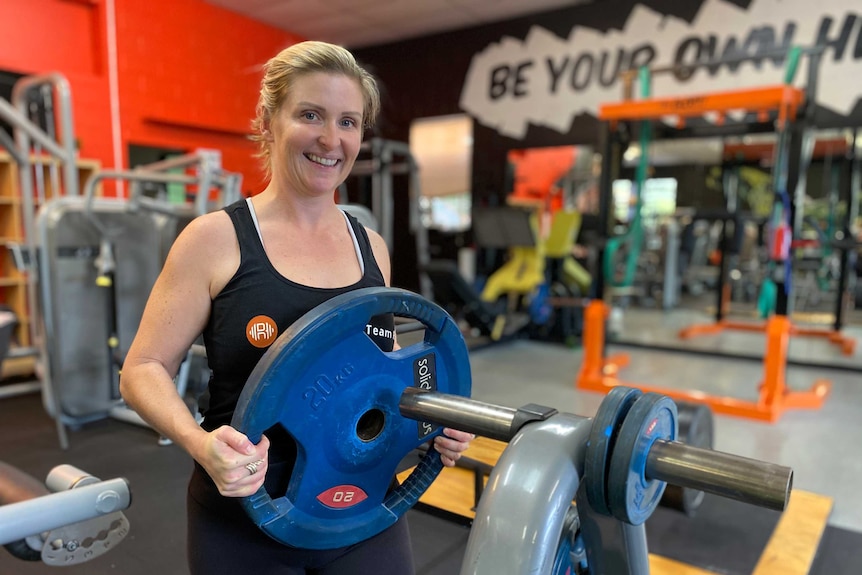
(252, 467)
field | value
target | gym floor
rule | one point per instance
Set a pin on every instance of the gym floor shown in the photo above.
(821, 446)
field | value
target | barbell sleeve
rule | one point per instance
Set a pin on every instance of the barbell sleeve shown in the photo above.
(462, 413)
(748, 480)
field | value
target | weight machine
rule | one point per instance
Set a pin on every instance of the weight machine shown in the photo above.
(99, 257)
(569, 494)
(73, 518)
(98, 260)
(374, 171)
(40, 114)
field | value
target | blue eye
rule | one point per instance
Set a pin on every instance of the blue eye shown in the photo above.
(309, 115)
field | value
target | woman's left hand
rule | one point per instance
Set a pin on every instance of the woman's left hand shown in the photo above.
(452, 444)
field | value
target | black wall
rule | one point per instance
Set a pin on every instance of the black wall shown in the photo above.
(424, 77)
(7, 82)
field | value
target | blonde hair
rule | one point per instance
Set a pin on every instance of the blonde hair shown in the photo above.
(281, 72)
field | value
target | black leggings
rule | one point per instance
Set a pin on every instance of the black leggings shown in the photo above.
(223, 540)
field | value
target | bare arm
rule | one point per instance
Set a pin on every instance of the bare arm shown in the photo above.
(381, 254)
(176, 313)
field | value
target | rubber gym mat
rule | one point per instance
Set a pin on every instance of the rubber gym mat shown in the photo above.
(840, 553)
(724, 537)
(723, 533)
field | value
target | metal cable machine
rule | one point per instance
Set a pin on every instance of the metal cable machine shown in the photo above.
(99, 258)
(71, 248)
(30, 141)
(55, 146)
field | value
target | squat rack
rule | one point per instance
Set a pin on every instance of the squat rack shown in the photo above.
(842, 151)
(783, 104)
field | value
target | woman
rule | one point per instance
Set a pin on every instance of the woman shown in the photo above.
(243, 275)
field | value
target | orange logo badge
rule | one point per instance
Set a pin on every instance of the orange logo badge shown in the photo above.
(261, 331)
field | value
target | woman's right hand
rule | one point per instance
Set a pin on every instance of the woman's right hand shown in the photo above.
(236, 465)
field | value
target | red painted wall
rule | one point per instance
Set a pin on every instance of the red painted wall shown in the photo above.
(189, 76)
(43, 36)
(188, 72)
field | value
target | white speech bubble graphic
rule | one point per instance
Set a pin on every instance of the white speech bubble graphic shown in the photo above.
(547, 81)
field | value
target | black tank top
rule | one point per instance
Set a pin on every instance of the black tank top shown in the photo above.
(257, 305)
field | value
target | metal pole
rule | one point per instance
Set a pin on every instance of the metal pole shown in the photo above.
(20, 520)
(23, 130)
(611, 162)
(67, 151)
(423, 255)
(855, 185)
(747, 480)
(38, 172)
(51, 128)
(20, 121)
(466, 414)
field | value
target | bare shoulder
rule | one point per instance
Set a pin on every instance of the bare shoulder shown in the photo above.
(377, 243)
(207, 248)
(381, 253)
(206, 235)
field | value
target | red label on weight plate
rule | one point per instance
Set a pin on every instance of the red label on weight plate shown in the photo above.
(342, 496)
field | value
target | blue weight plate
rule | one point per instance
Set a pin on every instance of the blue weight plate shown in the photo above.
(329, 386)
(603, 434)
(570, 547)
(563, 559)
(631, 497)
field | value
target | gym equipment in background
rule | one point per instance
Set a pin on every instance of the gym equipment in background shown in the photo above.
(98, 260)
(89, 257)
(44, 149)
(514, 230)
(454, 294)
(73, 518)
(353, 411)
(492, 311)
(362, 214)
(778, 107)
(372, 183)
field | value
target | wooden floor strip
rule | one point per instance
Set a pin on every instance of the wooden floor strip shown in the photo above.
(485, 450)
(663, 566)
(794, 542)
(454, 488)
(452, 491)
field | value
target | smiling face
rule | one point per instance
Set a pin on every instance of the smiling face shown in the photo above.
(316, 134)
